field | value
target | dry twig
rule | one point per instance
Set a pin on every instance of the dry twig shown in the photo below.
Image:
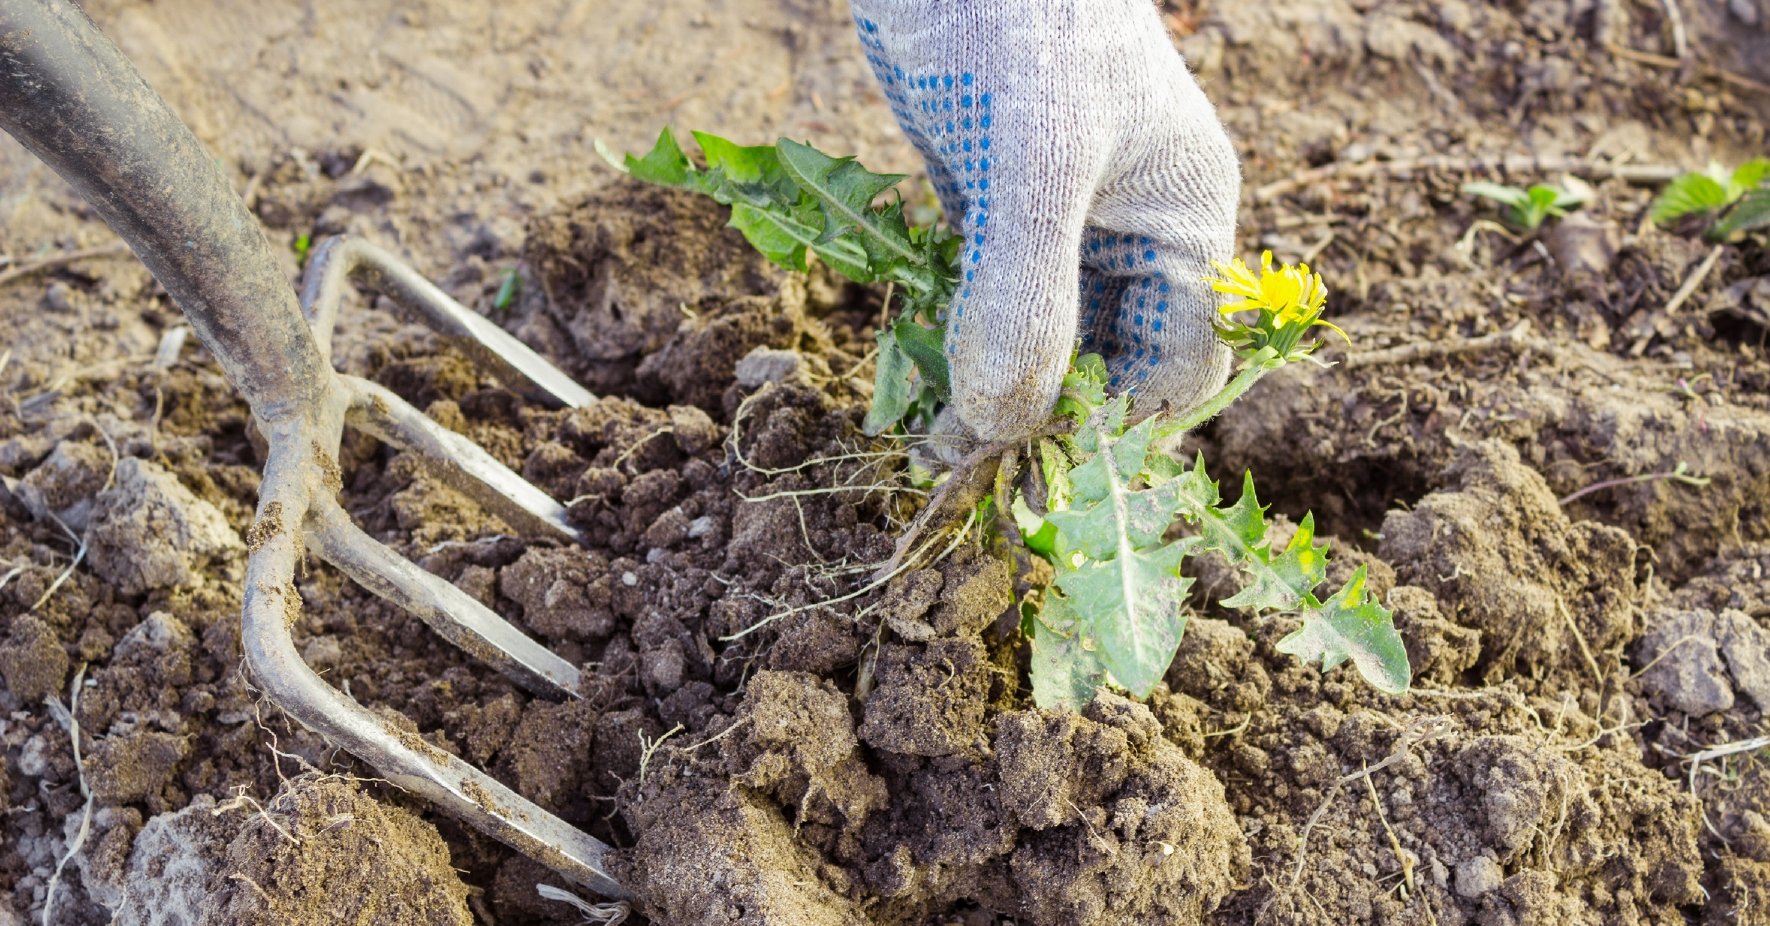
(1502, 164)
(1694, 280)
(1432, 350)
(1675, 18)
(1707, 70)
(70, 718)
(57, 260)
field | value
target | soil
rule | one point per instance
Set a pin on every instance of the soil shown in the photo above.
(762, 739)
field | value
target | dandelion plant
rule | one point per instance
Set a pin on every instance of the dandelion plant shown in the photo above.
(1115, 516)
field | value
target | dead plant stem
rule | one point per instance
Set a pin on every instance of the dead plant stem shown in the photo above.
(1694, 280)
(1502, 164)
(1708, 70)
(85, 828)
(1402, 857)
(57, 260)
(1679, 474)
(1432, 350)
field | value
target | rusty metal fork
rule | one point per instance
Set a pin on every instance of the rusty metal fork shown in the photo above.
(71, 97)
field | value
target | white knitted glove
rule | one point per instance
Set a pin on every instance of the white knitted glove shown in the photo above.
(1092, 181)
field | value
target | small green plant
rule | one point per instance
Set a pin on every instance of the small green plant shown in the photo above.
(508, 288)
(1729, 203)
(1115, 517)
(792, 201)
(1528, 208)
(1119, 519)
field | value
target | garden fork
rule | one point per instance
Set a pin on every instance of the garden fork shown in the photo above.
(73, 100)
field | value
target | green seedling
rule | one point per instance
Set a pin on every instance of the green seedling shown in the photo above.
(1114, 516)
(793, 202)
(1529, 208)
(508, 289)
(303, 243)
(1728, 203)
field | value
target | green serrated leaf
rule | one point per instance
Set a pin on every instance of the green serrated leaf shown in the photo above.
(1238, 532)
(743, 164)
(1065, 669)
(773, 235)
(664, 164)
(927, 347)
(844, 191)
(1108, 515)
(1752, 212)
(1133, 605)
(1347, 626)
(1689, 194)
(1106, 420)
(791, 202)
(1084, 389)
(1287, 578)
(892, 391)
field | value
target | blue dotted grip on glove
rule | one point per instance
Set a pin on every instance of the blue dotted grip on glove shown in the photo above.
(947, 117)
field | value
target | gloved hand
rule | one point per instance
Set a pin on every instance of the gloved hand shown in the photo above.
(1092, 182)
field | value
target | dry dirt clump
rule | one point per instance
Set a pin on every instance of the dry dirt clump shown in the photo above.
(1502, 559)
(321, 851)
(1074, 819)
(631, 265)
(1444, 806)
(150, 532)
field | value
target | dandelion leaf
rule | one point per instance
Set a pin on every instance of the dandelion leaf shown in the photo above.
(1084, 389)
(1238, 532)
(892, 391)
(1132, 605)
(664, 164)
(844, 191)
(1347, 626)
(1121, 584)
(1286, 577)
(1065, 670)
(926, 347)
(790, 202)
(1108, 516)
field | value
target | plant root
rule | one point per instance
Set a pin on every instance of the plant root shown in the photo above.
(70, 719)
(973, 480)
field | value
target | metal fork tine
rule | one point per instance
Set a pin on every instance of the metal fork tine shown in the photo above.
(71, 97)
(460, 462)
(449, 611)
(404, 758)
(337, 260)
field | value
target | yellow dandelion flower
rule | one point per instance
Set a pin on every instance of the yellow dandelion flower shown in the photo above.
(1236, 280)
(1288, 298)
(1299, 297)
(1285, 291)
